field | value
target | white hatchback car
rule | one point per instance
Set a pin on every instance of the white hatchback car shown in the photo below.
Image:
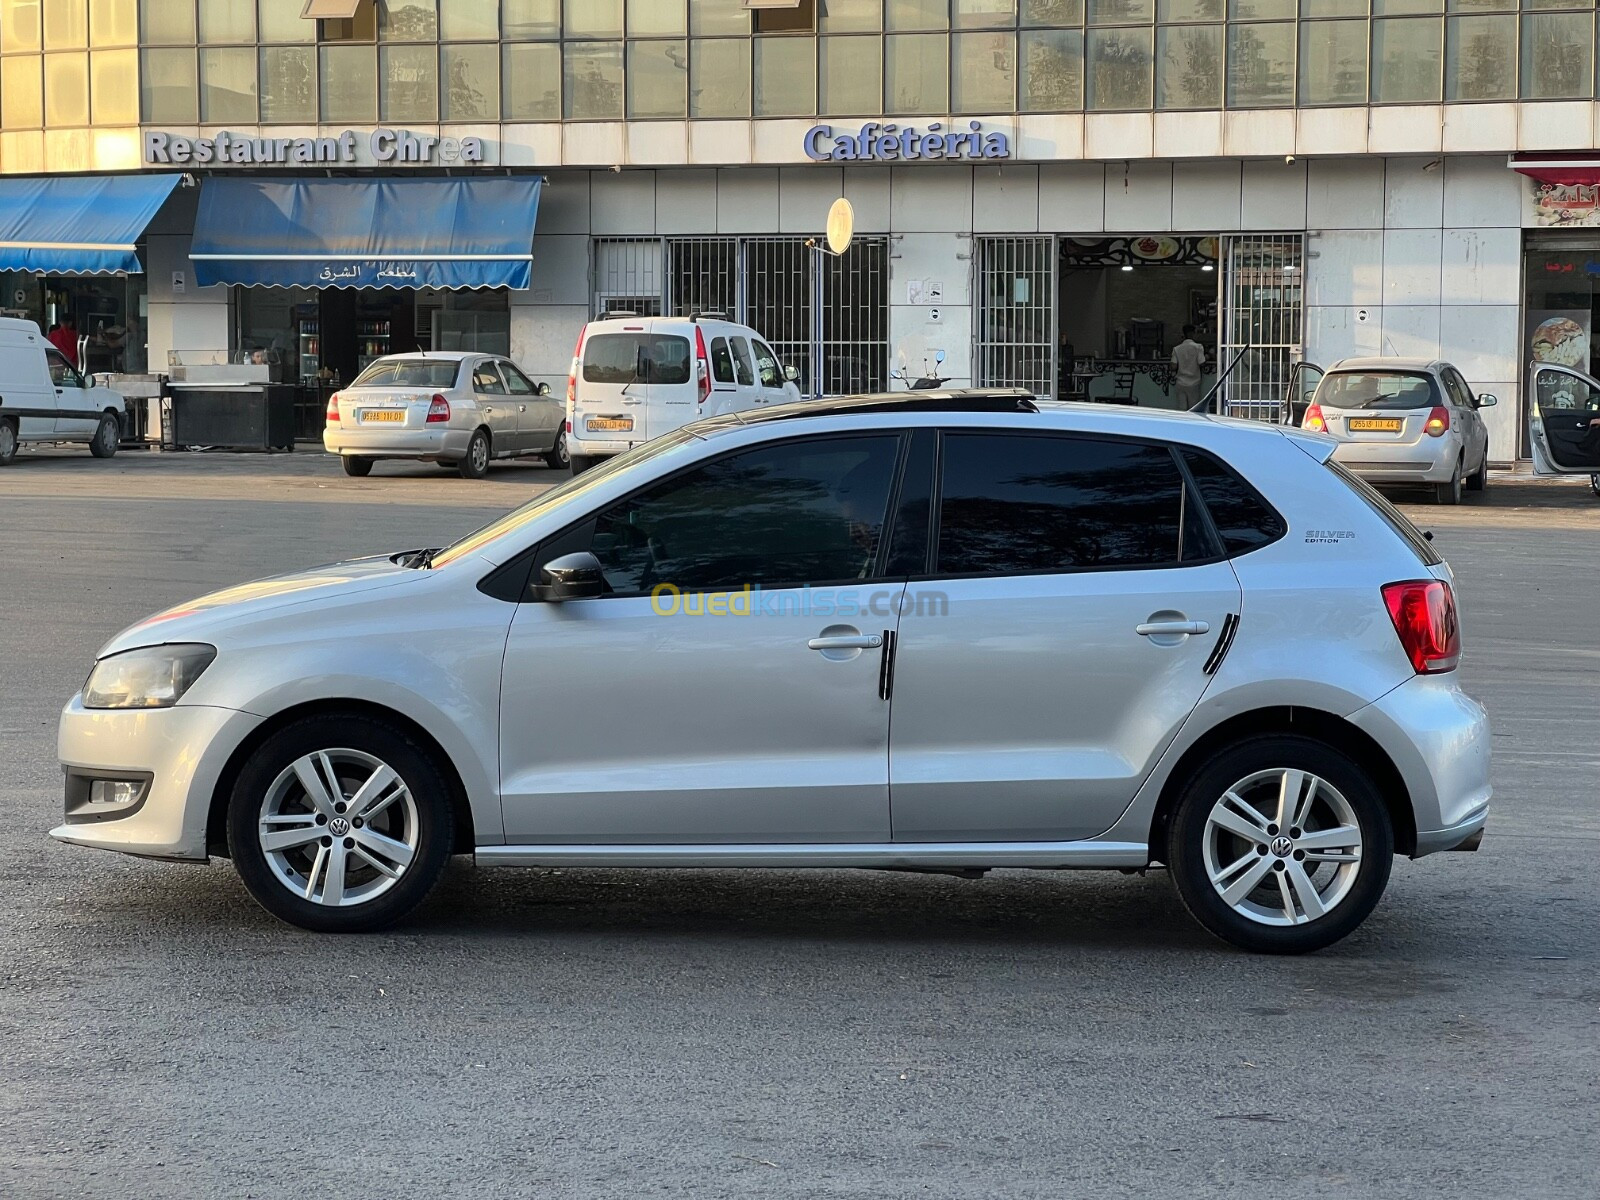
(1106, 638)
(459, 410)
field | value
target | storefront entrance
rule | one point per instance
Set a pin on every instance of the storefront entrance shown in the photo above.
(1561, 310)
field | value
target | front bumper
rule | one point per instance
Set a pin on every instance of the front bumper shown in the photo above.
(1426, 460)
(181, 750)
(372, 441)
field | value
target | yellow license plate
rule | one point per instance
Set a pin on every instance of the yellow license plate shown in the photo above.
(1374, 425)
(608, 424)
(393, 416)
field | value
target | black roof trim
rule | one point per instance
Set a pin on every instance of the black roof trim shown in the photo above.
(972, 400)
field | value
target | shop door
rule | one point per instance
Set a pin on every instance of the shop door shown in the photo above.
(1262, 318)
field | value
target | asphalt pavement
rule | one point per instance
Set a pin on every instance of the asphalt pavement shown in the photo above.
(774, 1033)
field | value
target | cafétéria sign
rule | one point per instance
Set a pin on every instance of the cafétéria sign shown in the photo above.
(891, 143)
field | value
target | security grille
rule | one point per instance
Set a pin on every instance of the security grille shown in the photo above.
(1262, 298)
(1017, 313)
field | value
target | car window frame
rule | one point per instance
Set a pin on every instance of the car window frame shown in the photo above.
(52, 354)
(778, 379)
(726, 341)
(510, 371)
(490, 363)
(1459, 383)
(742, 358)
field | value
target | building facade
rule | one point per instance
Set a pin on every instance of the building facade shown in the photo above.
(1046, 192)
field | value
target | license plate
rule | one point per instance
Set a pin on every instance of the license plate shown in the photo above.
(1374, 425)
(393, 416)
(608, 424)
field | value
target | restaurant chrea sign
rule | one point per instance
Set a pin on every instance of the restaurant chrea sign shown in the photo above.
(382, 146)
(890, 143)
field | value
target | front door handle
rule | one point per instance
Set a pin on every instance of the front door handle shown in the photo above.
(1170, 628)
(857, 641)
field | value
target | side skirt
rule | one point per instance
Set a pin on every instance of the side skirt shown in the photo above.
(876, 854)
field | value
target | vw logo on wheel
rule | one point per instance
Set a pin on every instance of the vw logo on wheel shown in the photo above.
(1282, 846)
(339, 827)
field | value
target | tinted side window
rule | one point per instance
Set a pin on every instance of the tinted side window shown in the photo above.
(767, 366)
(721, 360)
(1460, 393)
(1242, 517)
(1032, 503)
(486, 380)
(777, 516)
(741, 362)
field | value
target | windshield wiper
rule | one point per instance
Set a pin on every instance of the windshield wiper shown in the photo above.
(417, 560)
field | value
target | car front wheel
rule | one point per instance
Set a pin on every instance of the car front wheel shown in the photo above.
(340, 825)
(1280, 844)
(107, 436)
(8, 442)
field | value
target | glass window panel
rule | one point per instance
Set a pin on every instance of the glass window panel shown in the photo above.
(22, 92)
(167, 22)
(1333, 62)
(1121, 12)
(531, 81)
(1480, 61)
(1485, 5)
(850, 76)
(984, 14)
(1052, 12)
(113, 23)
(1190, 10)
(1405, 59)
(1189, 66)
(114, 87)
(658, 79)
(475, 20)
(1261, 65)
(228, 85)
(470, 84)
(1261, 10)
(657, 18)
(916, 73)
(1050, 71)
(1401, 8)
(348, 83)
(66, 24)
(169, 87)
(410, 83)
(289, 85)
(719, 78)
(1557, 55)
(280, 22)
(785, 77)
(849, 16)
(984, 72)
(66, 89)
(227, 21)
(1334, 8)
(398, 20)
(594, 18)
(1557, 3)
(1118, 72)
(530, 18)
(917, 14)
(717, 17)
(19, 25)
(592, 80)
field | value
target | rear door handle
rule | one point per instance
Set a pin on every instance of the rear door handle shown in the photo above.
(858, 641)
(1168, 628)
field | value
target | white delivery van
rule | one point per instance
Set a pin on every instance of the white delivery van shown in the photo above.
(44, 398)
(636, 378)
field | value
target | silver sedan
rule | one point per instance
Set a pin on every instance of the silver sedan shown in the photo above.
(459, 410)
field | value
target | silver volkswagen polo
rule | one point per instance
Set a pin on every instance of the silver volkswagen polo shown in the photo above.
(1107, 638)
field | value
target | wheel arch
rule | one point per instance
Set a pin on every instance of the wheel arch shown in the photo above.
(460, 805)
(1324, 726)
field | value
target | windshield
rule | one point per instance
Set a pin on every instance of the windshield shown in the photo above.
(559, 497)
(1378, 389)
(410, 372)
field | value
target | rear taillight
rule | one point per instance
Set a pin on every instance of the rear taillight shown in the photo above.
(1438, 422)
(333, 409)
(1424, 615)
(572, 375)
(569, 425)
(702, 365)
(438, 411)
(1315, 420)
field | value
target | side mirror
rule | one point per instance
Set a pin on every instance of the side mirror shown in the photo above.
(1487, 401)
(792, 374)
(571, 577)
(541, 389)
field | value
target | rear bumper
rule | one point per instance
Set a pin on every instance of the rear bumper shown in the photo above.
(599, 447)
(1414, 462)
(374, 442)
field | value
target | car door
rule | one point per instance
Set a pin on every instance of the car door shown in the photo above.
(1564, 421)
(744, 373)
(539, 417)
(1059, 641)
(727, 687)
(76, 416)
(1302, 385)
(1475, 442)
(769, 374)
(496, 407)
(724, 381)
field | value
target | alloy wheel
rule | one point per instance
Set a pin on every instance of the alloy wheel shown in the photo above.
(338, 827)
(1282, 847)
(480, 454)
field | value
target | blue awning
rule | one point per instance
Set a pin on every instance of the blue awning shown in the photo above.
(366, 233)
(78, 225)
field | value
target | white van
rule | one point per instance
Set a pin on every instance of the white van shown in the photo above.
(44, 398)
(636, 378)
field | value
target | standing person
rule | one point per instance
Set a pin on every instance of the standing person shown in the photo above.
(64, 337)
(1188, 356)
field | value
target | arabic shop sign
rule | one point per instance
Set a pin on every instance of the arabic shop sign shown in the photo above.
(890, 143)
(370, 274)
(385, 146)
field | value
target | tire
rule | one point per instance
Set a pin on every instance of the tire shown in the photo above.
(1479, 481)
(357, 465)
(1594, 481)
(8, 442)
(1200, 849)
(107, 436)
(1449, 493)
(410, 831)
(476, 464)
(582, 462)
(557, 459)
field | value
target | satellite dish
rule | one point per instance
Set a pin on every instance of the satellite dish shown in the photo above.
(841, 225)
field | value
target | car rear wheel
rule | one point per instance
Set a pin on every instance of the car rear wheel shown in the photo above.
(355, 464)
(107, 436)
(1280, 844)
(1479, 480)
(557, 459)
(476, 464)
(8, 442)
(341, 825)
(1449, 493)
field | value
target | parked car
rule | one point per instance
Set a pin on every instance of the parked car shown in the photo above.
(44, 398)
(636, 378)
(1107, 638)
(1405, 421)
(1564, 422)
(458, 410)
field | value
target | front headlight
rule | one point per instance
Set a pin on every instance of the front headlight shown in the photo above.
(154, 677)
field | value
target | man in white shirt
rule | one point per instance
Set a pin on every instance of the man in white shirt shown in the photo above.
(1188, 356)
